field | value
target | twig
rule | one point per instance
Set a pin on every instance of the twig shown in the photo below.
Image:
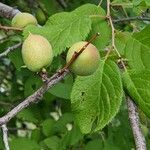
(10, 28)
(62, 3)
(7, 11)
(112, 28)
(100, 2)
(37, 95)
(43, 75)
(131, 19)
(108, 16)
(136, 129)
(124, 10)
(9, 49)
(5, 136)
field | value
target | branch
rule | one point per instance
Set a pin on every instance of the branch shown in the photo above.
(37, 95)
(5, 136)
(10, 28)
(135, 125)
(131, 19)
(100, 2)
(34, 98)
(7, 11)
(108, 16)
(9, 49)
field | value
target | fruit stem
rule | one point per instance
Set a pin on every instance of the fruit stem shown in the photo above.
(43, 75)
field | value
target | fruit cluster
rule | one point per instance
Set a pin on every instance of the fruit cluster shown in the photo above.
(37, 51)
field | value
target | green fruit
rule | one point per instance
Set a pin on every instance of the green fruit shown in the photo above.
(87, 62)
(36, 52)
(23, 19)
(40, 16)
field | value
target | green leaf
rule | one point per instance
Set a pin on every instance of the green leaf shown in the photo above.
(63, 89)
(32, 114)
(116, 139)
(70, 29)
(50, 8)
(95, 144)
(32, 83)
(99, 24)
(137, 85)
(52, 142)
(16, 58)
(27, 115)
(137, 53)
(36, 135)
(60, 125)
(74, 135)
(141, 2)
(121, 39)
(96, 99)
(71, 137)
(144, 36)
(47, 127)
(23, 144)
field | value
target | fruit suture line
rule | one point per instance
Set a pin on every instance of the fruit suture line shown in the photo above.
(37, 95)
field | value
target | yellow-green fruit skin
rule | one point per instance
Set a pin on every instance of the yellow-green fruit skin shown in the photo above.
(23, 19)
(36, 52)
(87, 62)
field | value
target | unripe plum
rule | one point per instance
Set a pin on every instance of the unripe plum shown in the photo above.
(87, 62)
(36, 52)
(21, 20)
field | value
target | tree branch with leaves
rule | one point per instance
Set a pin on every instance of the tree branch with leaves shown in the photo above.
(132, 109)
(96, 95)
